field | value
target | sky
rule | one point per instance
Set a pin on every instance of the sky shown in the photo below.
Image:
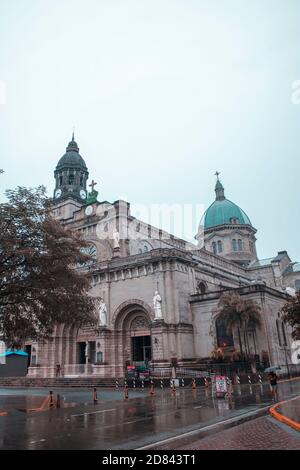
(162, 93)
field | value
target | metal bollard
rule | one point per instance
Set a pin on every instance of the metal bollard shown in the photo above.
(95, 397)
(173, 387)
(126, 392)
(249, 380)
(58, 401)
(143, 385)
(182, 382)
(259, 379)
(206, 383)
(51, 401)
(133, 383)
(161, 384)
(152, 392)
(117, 384)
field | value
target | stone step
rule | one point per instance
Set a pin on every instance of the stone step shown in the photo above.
(57, 382)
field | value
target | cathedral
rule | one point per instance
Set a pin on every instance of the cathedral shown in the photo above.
(157, 294)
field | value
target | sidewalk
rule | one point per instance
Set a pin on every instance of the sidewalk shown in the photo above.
(259, 434)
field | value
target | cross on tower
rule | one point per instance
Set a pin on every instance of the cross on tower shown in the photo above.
(217, 173)
(92, 185)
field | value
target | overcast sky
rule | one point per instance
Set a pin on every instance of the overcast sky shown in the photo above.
(162, 94)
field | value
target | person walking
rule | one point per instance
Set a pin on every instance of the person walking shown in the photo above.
(274, 386)
(58, 370)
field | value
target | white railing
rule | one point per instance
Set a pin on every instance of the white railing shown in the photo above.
(166, 372)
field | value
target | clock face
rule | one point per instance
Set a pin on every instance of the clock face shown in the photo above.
(91, 251)
(82, 194)
(88, 210)
(58, 193)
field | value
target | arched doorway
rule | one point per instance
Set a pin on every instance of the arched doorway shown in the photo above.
(140, 339)
(132, 330)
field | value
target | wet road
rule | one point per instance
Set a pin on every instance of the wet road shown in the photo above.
(117, 424)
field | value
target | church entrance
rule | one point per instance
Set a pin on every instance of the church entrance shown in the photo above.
(140, 341)
(141, 350)
(133, 339)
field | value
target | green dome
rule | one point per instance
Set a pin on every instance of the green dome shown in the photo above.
(224, 212)
(72, 158)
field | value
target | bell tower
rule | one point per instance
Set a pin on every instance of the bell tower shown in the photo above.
(71, 175)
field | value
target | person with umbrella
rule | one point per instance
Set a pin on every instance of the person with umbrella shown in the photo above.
(273, 384)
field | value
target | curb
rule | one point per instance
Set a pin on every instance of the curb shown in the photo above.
(281, 417)
(191, 436)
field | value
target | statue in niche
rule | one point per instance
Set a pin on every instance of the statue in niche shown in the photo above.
(157, 303)
(102, 312)
(116, 239)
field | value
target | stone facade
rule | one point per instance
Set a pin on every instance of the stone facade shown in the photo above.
(134, 260)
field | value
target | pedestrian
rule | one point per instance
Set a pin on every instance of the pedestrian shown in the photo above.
(58, 368)
(273, 384)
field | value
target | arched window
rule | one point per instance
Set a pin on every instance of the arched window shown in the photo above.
(60, 180)
(201, 287)
(224, 338)
(278, 331)
(81, 181)
(234, 245)
(297, 284)
(220, 246)
(240, 245)
(283, 334)
(214, 247)
(71, 178)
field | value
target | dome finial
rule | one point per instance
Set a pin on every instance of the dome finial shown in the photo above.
(72, 146)
(219, 188)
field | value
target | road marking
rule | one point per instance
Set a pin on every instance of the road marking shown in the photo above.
(35, 442)
(93, 412)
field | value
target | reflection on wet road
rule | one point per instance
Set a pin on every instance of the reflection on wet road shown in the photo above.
(117, 424)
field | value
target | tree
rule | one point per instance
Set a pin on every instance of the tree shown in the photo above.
(41, 283)
(240, 314)
(291, 315)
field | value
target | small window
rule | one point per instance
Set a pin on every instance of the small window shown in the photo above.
(71, 179)
(240, 245)
(234, 244)
(99, 357)
(220, 246)
(234, 220)
(81, 181)
(297, 284)
(214, 247)
(60, 180)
